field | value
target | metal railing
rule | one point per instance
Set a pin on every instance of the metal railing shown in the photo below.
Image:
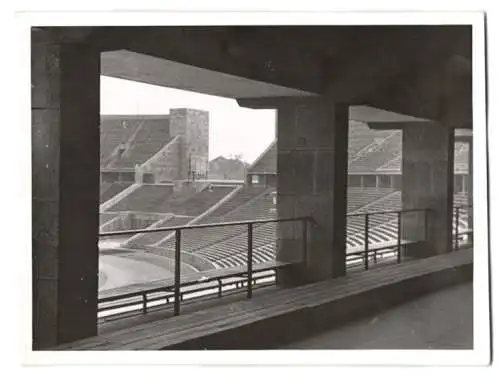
(376, 251)
(248, 273)
(458, 211)
(247, 277)
(381, 250)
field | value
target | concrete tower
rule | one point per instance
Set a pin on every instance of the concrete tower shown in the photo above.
(193, 126)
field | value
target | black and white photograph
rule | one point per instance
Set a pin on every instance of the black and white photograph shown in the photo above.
(279, 183)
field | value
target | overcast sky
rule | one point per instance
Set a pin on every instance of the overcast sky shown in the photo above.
(233, 130)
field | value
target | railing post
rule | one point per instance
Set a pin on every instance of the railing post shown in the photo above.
(426, 223)
(366, 240)
(456, 227)
(249, 260)
(144, 303)
(399, 236)
(177, 277)
(470, 226)
(304, 241)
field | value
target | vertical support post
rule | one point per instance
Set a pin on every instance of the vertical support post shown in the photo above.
(65, 77)
(312, 181)
(375, 252)
(366, 240)
(427, 182)
(399, 236)
(249, 260)
(220, 287)
(470, 226)
(177, 277)
(144, 303)
(426, 224)
(457, 212)
(304, 241)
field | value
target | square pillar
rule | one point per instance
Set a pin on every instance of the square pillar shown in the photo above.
(427, 182)
(65, 189)
(312, 181)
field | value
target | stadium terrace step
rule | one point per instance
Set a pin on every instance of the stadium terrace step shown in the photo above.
(146, 198)
(109, 190)
(105, 217)
(150, 138)
(226, 246)
(116, 130)
(361, 197)
(361, 136)
(257, 204)
(377, 155)
(139, 241)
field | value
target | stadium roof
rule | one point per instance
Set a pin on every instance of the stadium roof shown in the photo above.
(266, 163)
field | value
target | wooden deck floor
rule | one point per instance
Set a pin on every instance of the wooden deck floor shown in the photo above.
(279, 316)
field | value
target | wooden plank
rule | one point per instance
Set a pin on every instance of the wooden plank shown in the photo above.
(266, 312)
(265, 315)
(170, 340)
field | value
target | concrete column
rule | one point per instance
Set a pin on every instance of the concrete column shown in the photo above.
(65, 196)
(427, 182)
(312, 181)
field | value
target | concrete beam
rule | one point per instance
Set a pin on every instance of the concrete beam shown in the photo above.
(443, 94)
(224, 50)
(428, 74)
(322, 60)
(129, 65)
(275, 102)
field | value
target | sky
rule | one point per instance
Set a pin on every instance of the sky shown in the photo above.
(233, 129)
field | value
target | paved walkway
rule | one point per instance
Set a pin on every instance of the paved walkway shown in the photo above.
(441, 320)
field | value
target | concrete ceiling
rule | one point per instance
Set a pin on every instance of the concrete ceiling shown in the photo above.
(133, 66)
(383, 119)
(148, 69)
